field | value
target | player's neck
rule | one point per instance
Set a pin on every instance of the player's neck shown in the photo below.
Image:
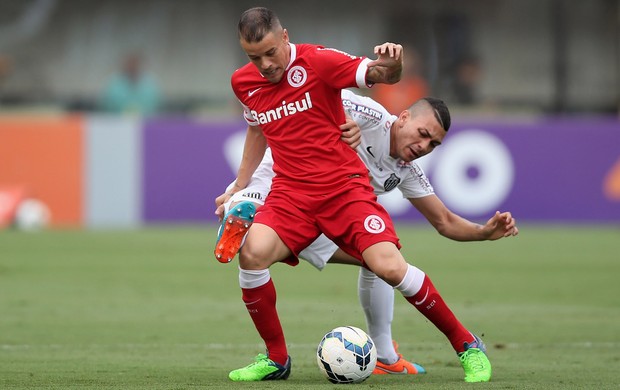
(393, 133)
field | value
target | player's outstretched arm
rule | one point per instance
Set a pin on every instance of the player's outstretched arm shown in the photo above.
(457, 228)
(388, 66)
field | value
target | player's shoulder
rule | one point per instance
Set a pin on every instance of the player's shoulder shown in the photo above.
(322, 52)
(245, 79)
(306, 48)
(244, 74)
(416, 172)
(347, 94)
(365, 109)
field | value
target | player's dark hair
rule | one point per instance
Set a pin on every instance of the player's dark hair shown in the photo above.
(257, 22)
(441, 111)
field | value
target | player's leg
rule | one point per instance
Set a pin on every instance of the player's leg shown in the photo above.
(362, 225)
(270, 240)
(377, 300)
(387, 262)
(263, 247)
(376, 297)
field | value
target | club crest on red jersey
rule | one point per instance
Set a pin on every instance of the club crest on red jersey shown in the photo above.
(297, 76)
(374, 224)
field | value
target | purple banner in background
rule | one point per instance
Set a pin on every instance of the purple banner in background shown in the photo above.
(185, 169)
(556, 170)
(548, 170)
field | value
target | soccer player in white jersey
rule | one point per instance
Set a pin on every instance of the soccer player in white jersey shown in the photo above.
(290, 94)
(380, 135)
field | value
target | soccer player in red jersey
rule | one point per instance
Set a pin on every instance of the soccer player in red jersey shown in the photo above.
(291, 99)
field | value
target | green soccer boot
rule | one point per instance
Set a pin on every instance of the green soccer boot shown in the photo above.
(263, 369)
(475, 362)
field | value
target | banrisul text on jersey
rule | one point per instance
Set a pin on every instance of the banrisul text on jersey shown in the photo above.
(284, 110)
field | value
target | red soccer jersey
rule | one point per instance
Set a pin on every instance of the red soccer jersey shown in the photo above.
(301, 114)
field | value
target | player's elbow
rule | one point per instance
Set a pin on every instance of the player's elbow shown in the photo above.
(444, 228)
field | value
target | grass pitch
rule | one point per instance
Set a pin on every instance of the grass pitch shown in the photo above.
(152, 309)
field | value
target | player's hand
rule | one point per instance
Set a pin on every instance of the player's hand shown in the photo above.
(351, 133)
(389, 63)
(389, 52)
(501, 225)
(219, 204)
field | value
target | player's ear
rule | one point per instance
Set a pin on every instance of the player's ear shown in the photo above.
(404, 117)
(285, 35)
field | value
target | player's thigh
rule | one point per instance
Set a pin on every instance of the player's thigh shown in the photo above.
(355, 221)
(262, 248)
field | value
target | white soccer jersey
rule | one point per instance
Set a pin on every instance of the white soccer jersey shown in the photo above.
(386, 172)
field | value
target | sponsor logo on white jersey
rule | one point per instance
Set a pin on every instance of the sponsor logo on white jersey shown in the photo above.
(368, 112)
(296, 76)
(284, 110)
(419, 175)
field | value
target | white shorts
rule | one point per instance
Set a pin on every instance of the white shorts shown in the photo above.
(320, 251)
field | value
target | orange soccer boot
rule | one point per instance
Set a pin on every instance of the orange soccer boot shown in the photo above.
(401, 367)
(235, 225)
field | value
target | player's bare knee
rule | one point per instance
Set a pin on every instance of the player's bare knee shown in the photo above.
(391, 271)
(393, 275)
(250, 259)
(386, 262)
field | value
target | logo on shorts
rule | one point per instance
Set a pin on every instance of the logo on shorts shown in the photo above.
(374, 224)
(297, 76)
(253, 195)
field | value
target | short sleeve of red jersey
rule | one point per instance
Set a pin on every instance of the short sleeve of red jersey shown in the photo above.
(339, 69)
(247, 115)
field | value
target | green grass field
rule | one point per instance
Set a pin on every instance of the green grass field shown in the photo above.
(152, 309)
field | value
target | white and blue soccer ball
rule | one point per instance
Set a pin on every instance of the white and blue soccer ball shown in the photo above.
(346, 355)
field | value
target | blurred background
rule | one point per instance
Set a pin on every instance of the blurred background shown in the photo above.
(120, 114)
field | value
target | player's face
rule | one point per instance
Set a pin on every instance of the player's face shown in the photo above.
(271, 55)
(417, 137)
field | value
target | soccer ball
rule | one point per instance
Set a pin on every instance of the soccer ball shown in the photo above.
(346, 355)
(32, 215)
